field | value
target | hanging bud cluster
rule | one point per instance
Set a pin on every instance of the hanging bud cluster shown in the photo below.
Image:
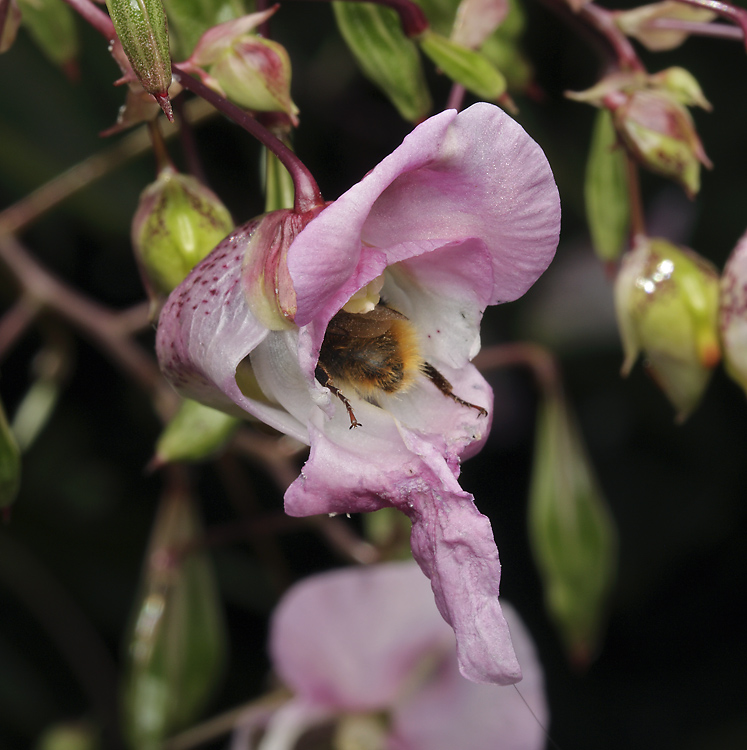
(651, 119)
(251, 71)
(666, 299)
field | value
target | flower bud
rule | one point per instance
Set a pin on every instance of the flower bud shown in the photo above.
(667, 306)
(572, 534)
(142, 28)
(464, 66)
(10, 463)
(177, 223)
(659, 132)
(650, 117)
(638, 23)
(476, 20)
(176, 647)
(253, 72)
(733, 313)
(682, 85)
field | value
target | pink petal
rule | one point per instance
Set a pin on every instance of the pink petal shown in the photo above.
(353, 639)
(413, 468)
(454, 546)
(450, 712)
(206, 330)
(442, 288)
(475, 174)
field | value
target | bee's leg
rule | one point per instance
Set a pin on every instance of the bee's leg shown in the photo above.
(444, 386)
(325, 379)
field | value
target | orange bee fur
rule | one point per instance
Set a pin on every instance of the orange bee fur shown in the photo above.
(373, 353)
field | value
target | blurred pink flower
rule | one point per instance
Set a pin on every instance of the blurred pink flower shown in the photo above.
(368, 641)
(465, 213)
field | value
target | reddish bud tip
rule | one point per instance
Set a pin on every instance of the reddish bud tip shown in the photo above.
(165, 104)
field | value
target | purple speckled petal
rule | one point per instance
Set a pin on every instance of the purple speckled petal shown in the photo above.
(206, 329)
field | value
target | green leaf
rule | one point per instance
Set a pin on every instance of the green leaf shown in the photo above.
(606, 190)
(195, 433)
(464, 66)
(572, 535)
(51, 24)
(176, 650)
(385, 55)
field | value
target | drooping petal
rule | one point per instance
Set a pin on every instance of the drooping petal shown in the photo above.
(354, 639)
(476, 174)
(205, 331)
(389, 464)
(450, 712)
(454, 546)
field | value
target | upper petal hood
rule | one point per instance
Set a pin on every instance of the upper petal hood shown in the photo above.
(475, 174)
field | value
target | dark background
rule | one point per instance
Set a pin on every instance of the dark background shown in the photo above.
(671, 672)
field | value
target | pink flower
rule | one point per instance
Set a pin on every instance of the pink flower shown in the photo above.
(465, 213)
(362, 642)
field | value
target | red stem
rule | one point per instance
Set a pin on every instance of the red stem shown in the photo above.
(308, 195)
(604, 22)
(737, 16)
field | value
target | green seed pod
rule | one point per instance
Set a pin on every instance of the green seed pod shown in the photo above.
(606, 190)
(176, 647)
(142, 28)
(464, 66)
(572, 534)
(385, 55)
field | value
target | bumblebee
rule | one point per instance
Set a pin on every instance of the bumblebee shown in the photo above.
(373, 353)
